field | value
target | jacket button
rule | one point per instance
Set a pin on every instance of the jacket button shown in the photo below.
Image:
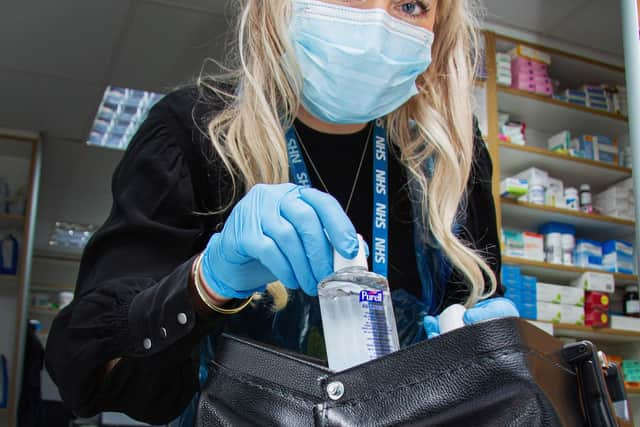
(335, 390)
(182, 318)
(163, 332)
(146, 343)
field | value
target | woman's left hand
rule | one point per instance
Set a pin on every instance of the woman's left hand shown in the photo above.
(494, 308)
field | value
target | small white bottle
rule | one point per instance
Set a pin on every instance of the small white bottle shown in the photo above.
(357, 313)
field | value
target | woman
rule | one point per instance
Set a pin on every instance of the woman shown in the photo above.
(204, 217)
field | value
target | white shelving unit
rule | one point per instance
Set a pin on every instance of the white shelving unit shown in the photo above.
(545, 117)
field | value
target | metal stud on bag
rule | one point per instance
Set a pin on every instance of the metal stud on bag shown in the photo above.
(335, 390)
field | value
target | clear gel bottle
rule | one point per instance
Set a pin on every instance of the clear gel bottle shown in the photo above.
(357, 313)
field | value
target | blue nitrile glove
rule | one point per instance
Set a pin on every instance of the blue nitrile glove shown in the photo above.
(277, 232)
(493, 308)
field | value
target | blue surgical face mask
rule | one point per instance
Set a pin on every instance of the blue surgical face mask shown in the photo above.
(357, 64)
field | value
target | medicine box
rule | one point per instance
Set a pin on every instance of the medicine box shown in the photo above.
(528, 310)
(617, 257)
(544, 89)
(607, 153)
(596, 318)
(513, 187)
(503, 58)
(523, 85)
(533, 246)
(559, 142)
(625, 323)
(592, 281)
(557, 294)
(513, 243)
(534, 175)
(588, 254)
(530, 56)
(560, 313)
(554, 196)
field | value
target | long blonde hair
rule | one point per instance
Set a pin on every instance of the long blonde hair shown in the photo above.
(248, 135)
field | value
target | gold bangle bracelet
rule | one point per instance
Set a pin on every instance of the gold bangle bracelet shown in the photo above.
(207, 299)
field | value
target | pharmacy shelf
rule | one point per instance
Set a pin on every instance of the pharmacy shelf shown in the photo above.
(551, 115)
(51, 287)
(632, 391)
(58, 255)
(529, 216)
(561, 274)
(572, 170)
(44, 311)
(7, 279)
(10, 220)
(595, 334)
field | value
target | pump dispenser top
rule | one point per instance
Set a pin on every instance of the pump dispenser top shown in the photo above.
(340, 262)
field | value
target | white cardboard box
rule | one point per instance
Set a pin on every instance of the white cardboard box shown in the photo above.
(560, 313)
(591, 281)
(557, 294)
(625, 322)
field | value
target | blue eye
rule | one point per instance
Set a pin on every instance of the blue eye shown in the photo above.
(414, 8)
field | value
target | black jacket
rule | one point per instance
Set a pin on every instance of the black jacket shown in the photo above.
(134, 280)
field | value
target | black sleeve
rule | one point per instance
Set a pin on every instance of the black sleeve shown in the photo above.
(134, 297)
(480, 228)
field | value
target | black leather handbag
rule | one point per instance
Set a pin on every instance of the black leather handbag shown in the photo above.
(504, 372)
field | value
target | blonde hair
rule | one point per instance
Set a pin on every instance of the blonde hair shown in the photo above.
(248, 135)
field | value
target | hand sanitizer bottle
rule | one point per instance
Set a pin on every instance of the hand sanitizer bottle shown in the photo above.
(357, 314)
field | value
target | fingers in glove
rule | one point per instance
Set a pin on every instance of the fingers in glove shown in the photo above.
(310, 231)
(335, 221)
(494, 308)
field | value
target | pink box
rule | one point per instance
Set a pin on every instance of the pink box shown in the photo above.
(523, 85)
(523, 63)
(544, 89)
(532, 78)
(529, 72)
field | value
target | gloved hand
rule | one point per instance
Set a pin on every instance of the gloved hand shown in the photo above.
(493, 308)
(277, 232)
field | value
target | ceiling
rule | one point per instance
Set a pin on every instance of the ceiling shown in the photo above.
(57, 56)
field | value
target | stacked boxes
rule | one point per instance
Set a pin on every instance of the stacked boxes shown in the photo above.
(598, 286)
(503, 66)
(573, 96)
(523, 245)
(592, 281)
(588, 254)
(597, 97)
(521, 290)
(560, 304)
(617, 200)
(543, 301)
(531, 76)
(595, 147)
(617, 257)
(596, 309)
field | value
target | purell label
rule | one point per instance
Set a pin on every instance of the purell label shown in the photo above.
(371, 296)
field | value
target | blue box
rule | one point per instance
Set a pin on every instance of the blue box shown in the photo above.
(618, 257)
(604, 156)
(575, 93)
(528, 311)
(511, 269)
(587, 146)
(604, 140)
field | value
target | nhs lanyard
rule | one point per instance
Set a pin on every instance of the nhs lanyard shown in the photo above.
(300, 175)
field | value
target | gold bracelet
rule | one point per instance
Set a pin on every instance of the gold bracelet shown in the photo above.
(207, 299)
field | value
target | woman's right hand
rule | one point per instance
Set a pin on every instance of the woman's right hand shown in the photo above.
(277, 232)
